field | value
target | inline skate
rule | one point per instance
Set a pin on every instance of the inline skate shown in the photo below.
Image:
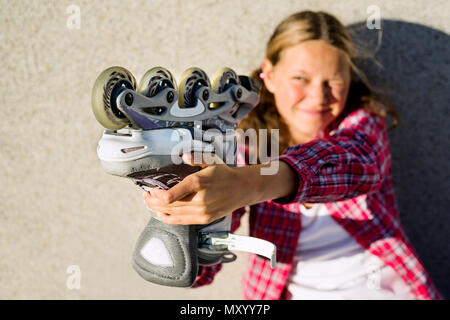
(147, 128)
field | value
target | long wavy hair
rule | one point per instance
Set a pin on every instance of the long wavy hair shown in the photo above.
(298, 28)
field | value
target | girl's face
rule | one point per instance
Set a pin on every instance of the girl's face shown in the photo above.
(310, 84)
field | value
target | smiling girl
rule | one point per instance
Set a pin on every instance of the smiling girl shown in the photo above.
(330, 208)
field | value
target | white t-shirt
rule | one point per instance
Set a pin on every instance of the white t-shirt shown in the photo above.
(329, 264)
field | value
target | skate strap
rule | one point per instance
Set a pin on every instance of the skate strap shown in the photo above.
(163, 178)
(248, 244)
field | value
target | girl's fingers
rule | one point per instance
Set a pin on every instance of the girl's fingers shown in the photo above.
(188, 159)
(184, 219)
(185, 216)
(201, 159)
(177, 192)
(153, 201)
(179, 208)
(187, 186)
(165, 197)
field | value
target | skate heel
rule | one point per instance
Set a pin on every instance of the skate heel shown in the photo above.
(167, 254)
(170, 254)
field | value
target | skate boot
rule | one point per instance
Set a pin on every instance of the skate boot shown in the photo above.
(147, 130)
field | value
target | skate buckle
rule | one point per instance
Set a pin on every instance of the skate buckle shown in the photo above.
(248, 244)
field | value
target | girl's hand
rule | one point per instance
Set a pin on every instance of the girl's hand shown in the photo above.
(202, 197)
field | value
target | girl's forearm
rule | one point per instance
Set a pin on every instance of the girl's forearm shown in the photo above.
(264, 187)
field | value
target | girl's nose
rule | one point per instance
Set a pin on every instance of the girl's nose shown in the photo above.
(319, 93)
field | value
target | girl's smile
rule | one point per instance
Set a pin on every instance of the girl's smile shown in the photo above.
(315, 113)
(310, 84)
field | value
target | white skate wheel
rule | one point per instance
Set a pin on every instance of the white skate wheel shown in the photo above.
(223, 79)
(155, 80)
(190, 81)
(104, 93)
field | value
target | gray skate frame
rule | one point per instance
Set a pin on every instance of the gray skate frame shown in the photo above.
(237, 94)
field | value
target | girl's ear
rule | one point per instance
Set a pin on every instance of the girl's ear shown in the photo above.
(267, 74)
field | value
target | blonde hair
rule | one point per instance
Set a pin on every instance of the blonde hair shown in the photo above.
(298, 28)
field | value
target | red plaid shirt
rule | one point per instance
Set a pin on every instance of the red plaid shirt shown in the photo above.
(348, 168)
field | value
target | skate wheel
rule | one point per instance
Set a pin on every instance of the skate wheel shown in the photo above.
(190, 81)
(223, 79)
(109, 84)
(155, 80)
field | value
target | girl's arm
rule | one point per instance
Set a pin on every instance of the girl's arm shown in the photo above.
(350, 162)
(218, 190)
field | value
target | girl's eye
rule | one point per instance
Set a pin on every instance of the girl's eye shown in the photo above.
(300, 78)
(336, 83)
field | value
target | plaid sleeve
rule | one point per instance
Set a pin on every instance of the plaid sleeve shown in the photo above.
(345, 164)
(206, 274)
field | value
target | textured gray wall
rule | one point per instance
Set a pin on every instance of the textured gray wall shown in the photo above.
(57, 206)
(412, 67)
